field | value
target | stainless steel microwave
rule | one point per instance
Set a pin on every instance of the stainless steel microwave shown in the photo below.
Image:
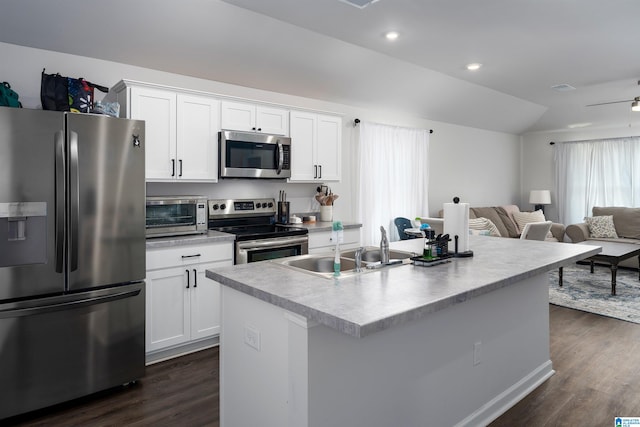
(175, 215)
(254, 155)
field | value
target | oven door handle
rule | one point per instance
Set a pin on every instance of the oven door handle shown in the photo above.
(271, 243)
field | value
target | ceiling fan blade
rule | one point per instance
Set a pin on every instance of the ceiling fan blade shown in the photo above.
(607, 103)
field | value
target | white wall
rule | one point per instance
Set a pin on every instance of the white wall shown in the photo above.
(479, 166)
(538, 166)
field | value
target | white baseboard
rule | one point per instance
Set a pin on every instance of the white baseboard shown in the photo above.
(181, 350)
(508, 398)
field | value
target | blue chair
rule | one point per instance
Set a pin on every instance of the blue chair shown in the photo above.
(402, 224)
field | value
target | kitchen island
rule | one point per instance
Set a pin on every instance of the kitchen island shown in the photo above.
(454, 344)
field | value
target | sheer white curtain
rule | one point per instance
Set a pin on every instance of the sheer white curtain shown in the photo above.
(596, 173)
(393, 177)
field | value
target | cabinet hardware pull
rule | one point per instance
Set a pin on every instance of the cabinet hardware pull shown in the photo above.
(191, 256)
(187, 278)
(320, 177)
(315, 171)
(195, 278)
(259, 129)
(180, 167)
(173, 167)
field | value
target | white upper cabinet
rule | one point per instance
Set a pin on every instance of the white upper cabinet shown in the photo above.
(249, 117)
(158, 109)
(197, 148)
(181, 131)
(316, 144)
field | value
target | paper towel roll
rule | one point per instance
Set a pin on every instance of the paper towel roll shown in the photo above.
(456, 223)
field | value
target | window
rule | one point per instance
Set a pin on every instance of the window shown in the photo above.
(393, 177)
(596, 173)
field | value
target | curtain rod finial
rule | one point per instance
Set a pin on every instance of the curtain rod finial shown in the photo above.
(355, 122)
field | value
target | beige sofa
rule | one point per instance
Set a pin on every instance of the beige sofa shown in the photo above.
(627, 226)
(502, 217)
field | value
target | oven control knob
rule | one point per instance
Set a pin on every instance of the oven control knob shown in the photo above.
(215, 207)
(257, 205)
(223, 206)
(264, 205)
(270, 204)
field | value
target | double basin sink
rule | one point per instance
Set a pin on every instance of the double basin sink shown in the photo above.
(322, 264)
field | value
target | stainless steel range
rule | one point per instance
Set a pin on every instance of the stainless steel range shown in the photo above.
(258, 237)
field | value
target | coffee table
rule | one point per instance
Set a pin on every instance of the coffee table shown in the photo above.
(612, 253)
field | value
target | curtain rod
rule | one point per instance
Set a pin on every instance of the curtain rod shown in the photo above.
(357, 121)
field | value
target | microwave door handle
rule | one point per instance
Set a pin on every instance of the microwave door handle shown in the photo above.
(280, 158)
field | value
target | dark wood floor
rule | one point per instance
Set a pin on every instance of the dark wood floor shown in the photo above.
(179, 392)
(597, 363)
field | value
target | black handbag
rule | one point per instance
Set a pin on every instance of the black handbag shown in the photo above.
(61, 93)
(8, 97)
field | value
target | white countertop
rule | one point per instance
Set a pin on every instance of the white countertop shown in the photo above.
(363, 304)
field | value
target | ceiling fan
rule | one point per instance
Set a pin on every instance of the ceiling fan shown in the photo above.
(635, 102)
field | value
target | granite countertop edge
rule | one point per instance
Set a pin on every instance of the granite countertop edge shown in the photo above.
(193, 239)
(320, 304)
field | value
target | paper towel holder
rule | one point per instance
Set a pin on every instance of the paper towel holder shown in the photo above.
(456, 254)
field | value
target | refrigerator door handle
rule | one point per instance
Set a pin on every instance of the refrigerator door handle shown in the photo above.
(59, 201)
(74, 198)
(67, 305)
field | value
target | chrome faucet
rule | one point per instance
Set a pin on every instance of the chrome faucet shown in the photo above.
(384, 247)
(358, 256)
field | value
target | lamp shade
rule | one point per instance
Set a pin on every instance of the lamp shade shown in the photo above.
(540, 197)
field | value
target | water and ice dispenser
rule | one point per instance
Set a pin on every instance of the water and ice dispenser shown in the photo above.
(23, 233)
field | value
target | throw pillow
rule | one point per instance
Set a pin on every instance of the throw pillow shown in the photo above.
(523, 218)
(484, 224)
(601, 226)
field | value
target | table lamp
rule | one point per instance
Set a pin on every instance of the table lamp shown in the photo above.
(539, 198)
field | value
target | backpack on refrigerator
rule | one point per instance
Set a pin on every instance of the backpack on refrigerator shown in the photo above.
(8, 97)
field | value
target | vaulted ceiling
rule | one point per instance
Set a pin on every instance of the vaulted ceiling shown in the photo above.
(330, 50)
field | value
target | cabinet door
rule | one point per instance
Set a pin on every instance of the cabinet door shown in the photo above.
(273, 121)
(158, 109)
(303, 134)
(328, 147)
(197, 144)
(167, 308)
(205, 302)
(238, 116)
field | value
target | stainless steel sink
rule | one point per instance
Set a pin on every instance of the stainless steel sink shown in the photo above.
(323, 264)
(372, 254)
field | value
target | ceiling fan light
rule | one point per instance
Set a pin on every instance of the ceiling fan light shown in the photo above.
(635, 106)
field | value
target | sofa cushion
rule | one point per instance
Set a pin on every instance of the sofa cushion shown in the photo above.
(492, 214)
(601, 226)
(506, 213)
(523, 218)
(625, 220)
(484, 224)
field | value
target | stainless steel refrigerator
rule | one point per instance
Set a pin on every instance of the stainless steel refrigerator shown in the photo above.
(72, 256)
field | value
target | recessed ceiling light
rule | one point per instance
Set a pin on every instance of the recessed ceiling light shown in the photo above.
(563, 87)
(474, 66)
(360, 4)
(392, 35)
(579, 125)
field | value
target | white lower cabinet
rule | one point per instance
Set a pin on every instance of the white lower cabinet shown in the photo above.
(321, 241)
(182, 305)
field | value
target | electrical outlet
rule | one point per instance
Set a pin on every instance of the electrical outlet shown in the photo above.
(477, 349)
(252, 337)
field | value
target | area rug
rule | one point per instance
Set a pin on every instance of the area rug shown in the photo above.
(584, 291)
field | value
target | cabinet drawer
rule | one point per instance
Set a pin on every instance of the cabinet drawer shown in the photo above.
(186, 255)
(323, 239)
